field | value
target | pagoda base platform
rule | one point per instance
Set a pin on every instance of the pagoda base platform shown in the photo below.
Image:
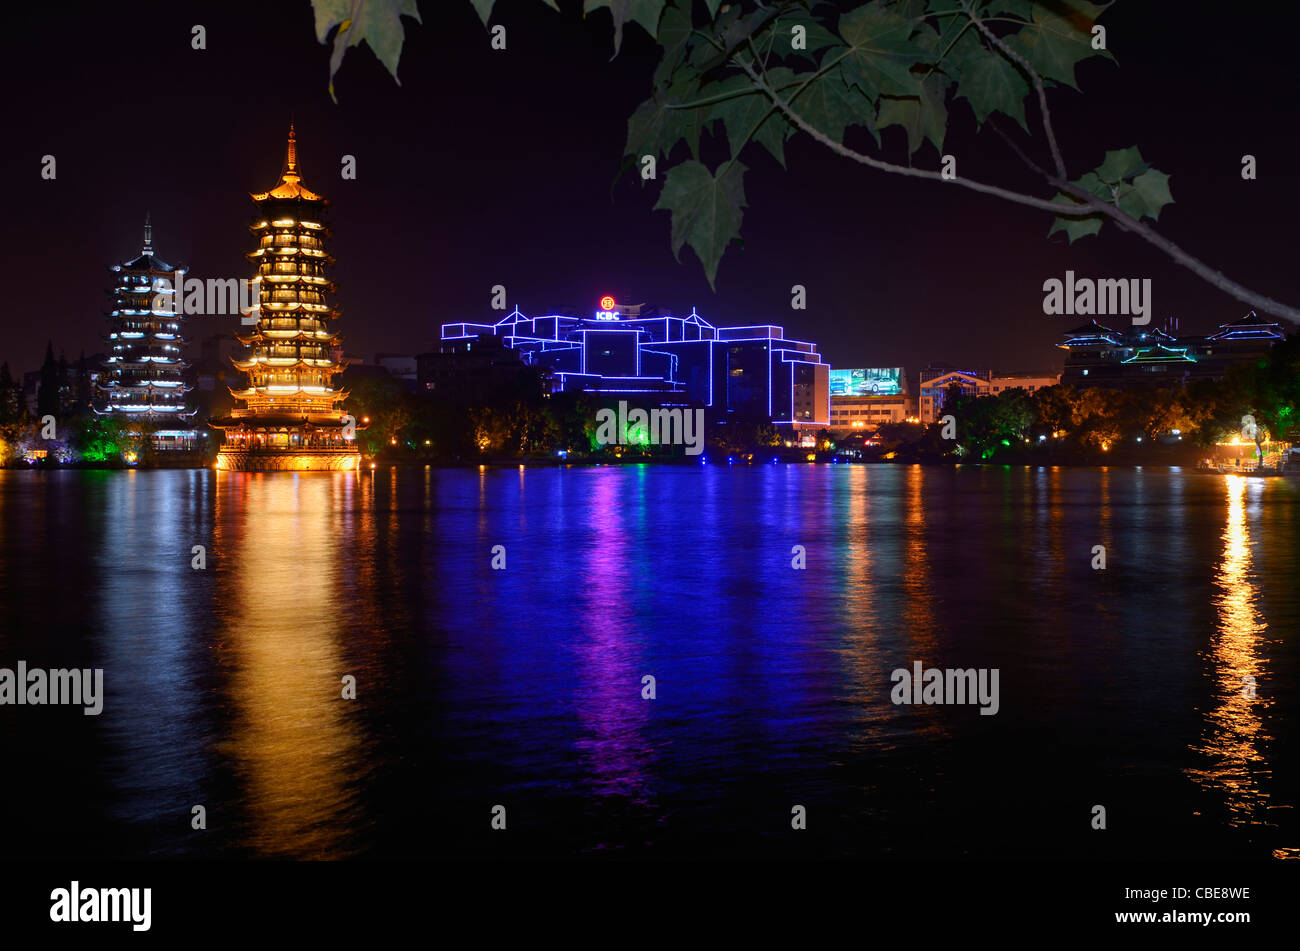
(289, 460)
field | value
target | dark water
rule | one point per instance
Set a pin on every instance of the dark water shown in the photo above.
(477, 687)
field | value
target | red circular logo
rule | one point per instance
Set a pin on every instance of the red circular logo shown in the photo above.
(607, 303)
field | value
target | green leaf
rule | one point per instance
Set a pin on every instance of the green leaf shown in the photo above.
(646, 130)
(644, 12)
(484, 8)
(923, 117)
(1148, 194)
(674, 31)
(377, 23)
(1094, 184)
(880, 51)
(656, 126)
(1074, 226)
(1020, 8)
(1058, 38)
(830, 105)
(739, 115)
(328, 14)
(990, 83)
(1121, 164)
(706, 210)
(816, 36)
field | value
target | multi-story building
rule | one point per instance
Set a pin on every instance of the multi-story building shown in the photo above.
(400, 366)
(143, 380)
(752, 372)
(936, 383)
(471, 371)
(862, 399)
(1137, 357)
(292, 417)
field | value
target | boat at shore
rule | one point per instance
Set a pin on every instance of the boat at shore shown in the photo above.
(1288, 465)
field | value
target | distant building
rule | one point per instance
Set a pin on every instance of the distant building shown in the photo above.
(936, 384)
(400, 366)
(1138, 357)
(852, 413)
(1029, 382)
(862, 399)
(752, 372)
(144, 378)
(470, 370)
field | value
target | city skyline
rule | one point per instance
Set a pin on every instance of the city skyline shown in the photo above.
(820, 431)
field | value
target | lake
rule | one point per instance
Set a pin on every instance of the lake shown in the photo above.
(1125, 687)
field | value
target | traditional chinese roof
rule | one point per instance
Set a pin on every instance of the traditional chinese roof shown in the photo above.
(1160, 354)
(272, 422)
(290, 185)
(147, 260)
(1091, 329)
(1249, 326)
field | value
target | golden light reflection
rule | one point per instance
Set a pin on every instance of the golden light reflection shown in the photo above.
(1234, 730)
(858, 614)
(296, 749)
(917, 613)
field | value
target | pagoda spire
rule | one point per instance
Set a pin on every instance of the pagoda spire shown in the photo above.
(148, 235)
(291, 155)
(290, 184)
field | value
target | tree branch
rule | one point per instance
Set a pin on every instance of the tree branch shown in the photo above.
(1042, 204)
(1032, 73)
(1090, 204)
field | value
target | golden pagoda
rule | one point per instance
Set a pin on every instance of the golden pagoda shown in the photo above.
(292, 416)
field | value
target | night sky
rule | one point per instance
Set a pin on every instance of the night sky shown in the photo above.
(489, 167)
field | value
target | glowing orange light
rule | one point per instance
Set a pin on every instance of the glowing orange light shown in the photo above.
(607, 303)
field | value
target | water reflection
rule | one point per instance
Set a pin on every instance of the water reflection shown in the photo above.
(1232, 744)
(151, 644)
(294, 747)
(608, 704)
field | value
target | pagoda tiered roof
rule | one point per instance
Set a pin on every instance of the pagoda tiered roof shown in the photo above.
(290, 185)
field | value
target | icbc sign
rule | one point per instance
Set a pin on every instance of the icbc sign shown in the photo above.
(607, 311)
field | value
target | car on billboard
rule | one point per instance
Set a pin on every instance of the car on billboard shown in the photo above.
(865, 382)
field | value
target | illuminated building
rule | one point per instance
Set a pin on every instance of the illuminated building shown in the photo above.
(292, 416)
(143, 379)
(862, 399)
(937, 382)
(751, 372)
(1138, 357)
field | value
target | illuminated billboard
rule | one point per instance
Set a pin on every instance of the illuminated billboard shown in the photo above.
(875, 381)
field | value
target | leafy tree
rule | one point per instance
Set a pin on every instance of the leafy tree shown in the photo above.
(1055, 408)
(1276, 390)
(85, 394)
(102, 438)
(11, 397)
(47, 392)
(755, 73)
